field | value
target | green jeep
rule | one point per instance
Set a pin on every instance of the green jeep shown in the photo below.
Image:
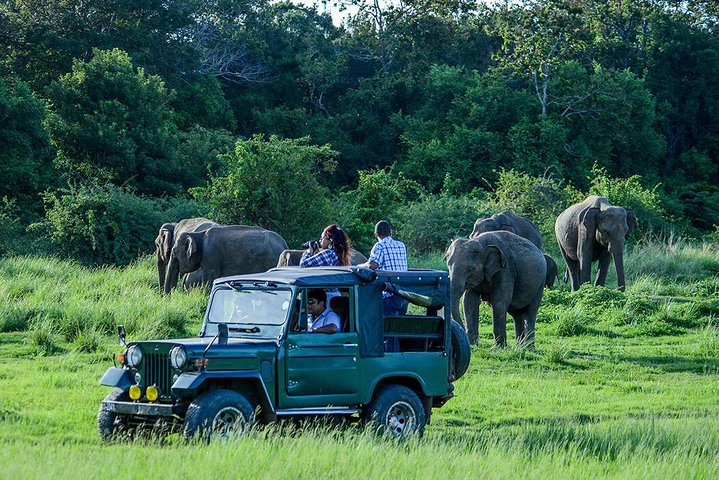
(255, 361)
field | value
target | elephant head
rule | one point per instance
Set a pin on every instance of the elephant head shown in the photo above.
(472, 264)
(603, 228)
(186, 257)
(163, 249)
(494, 223)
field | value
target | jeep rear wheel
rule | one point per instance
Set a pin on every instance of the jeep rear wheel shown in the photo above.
(112, 425)
(461, 351)
(397, 411)
(218, 414)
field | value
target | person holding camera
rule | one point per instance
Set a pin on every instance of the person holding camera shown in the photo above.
(332, 249)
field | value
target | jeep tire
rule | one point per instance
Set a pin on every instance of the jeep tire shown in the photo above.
(461, 351)
(110, 424)
(396, 411)
(218, 414)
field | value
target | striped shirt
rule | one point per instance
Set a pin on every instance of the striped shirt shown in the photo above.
(389, 254)
(325, 258)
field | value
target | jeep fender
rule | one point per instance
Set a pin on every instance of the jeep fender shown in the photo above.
(409, 379)
(188, 383)
(117, 377)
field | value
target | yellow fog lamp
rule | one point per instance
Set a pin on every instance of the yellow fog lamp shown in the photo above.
(152, 393)
(135, 392)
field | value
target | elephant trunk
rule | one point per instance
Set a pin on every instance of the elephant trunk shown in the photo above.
(456, 291)
(618, 254)
(173, 273)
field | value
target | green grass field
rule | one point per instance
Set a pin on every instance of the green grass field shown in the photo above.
(620, 385)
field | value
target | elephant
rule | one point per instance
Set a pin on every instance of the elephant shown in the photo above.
(509, 222)
(594, 230)
(223, 251)
(166, 239)
(503, 269)
(552, 271)
(291, 258)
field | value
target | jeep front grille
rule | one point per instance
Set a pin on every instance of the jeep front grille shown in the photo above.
(158, 372)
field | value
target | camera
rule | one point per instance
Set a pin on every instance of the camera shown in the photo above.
(311, 245)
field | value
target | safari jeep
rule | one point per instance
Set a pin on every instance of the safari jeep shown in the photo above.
(255, 361)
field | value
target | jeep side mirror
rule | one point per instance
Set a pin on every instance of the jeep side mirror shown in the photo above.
(121, 334)
(222, 333)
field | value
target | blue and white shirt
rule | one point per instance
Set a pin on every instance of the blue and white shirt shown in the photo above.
(326, 318)
(325, 258)
(389, 254)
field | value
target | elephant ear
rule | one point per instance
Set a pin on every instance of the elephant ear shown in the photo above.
(631, 221)
(190, 247)
(587, 231)
(495, 261)
(163, 242)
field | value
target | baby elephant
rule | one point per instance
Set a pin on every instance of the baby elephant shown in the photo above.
(504, 269)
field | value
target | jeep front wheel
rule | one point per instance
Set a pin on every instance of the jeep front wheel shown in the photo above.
(219, 414)
(397, 411)
(110, 424)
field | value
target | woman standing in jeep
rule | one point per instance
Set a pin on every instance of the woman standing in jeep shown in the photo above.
(332, 249)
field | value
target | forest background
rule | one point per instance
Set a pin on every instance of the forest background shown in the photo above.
(117, 116)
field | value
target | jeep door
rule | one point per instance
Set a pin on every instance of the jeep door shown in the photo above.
(321, 369)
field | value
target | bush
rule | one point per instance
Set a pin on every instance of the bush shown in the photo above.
(275, 184)
(432, 222)
(379, 195)
(630, 193)
(105, 224)
(539, 199)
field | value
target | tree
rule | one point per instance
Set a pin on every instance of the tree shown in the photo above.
(112, 122)
(273, 183)
(26, 168)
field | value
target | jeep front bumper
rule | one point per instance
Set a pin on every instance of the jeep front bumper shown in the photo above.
(143, 409)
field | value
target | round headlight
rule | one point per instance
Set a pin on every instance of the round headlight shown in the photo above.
(133, 357)
(178, 357)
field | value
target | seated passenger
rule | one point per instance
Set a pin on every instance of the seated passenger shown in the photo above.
(320, 318)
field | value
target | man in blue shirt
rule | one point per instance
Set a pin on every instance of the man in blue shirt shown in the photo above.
(389, 254)
(321, 319)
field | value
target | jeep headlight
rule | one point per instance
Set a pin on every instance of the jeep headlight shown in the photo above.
(133, 356)
(178, 357)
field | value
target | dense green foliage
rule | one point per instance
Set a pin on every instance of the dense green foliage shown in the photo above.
(441, 96)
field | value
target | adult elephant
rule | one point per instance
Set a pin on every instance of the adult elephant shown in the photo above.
(222, 251)
(291, 258)
(509, 222)
(594, 230)
(166, 240)
(505, 270)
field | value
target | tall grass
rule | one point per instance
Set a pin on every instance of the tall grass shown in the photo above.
(78, 303)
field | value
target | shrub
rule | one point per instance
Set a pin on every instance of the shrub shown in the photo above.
(431, 223)
(105, 224)
(569, 322)
(379, 194)
(275, 184)
(630, 193)
(43, 337)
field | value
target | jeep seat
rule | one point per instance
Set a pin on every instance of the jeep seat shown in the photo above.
(341, 306)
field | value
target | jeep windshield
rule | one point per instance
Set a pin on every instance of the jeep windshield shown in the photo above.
(250, 311)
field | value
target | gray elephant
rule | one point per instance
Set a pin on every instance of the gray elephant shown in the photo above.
(222, 251)
(594, 230)
(505, 270)
(166, 240)
(509, 222)
(291, 258)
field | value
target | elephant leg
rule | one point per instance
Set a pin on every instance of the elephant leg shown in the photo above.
(499, 323)
(518, 327)
(573, 269)
(603, 269)
(470, 305)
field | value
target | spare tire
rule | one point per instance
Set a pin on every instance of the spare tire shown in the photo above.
(461, 351)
